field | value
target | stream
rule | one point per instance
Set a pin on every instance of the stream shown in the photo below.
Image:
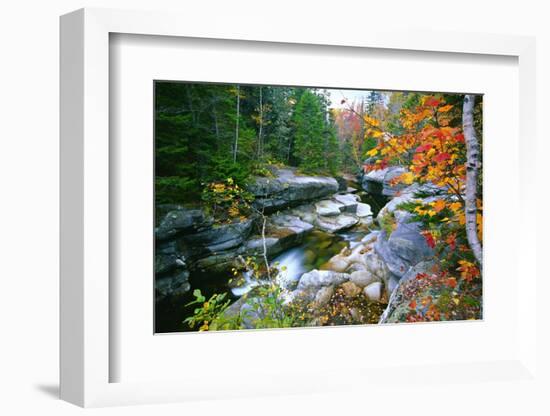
(317, 248)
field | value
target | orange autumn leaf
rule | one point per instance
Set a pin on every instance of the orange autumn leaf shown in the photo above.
(439, 205)
(451, 281)
(445, 108)
(468, 270)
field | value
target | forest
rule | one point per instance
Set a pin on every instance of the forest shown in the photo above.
(282, 206)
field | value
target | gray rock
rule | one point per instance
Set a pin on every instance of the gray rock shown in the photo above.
(363, 278)
(355, 267)
(335, 224)
(305, 212)
(363, 210)
(342, 183)
(373, 291)
(324, 295)
(366, 222)
(376, 266)
(314, 286)
(379, 181)
(248, 308)
(319, 278)
(181, 220)
(422, 267)
(217, 263)
(350, 289)
(349, 201)
(282, 233)
(173, 285)
(288, 189)
(398, 303)
(404, 248)
(165, 263)
(329, 208)
(221, 237)
(428, 191)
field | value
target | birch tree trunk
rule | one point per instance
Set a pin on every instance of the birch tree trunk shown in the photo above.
(236, 145)
(472, 171)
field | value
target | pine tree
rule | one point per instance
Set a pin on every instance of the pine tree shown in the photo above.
(309, 133)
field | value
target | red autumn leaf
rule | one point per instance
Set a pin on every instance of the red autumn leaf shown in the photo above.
(451, 240)
(430, 240)
(420, 276)
(412, 305)
(451, 281)
(459, 138)
(423, 148)
(442, 157)
(439, 134)
(432, 102)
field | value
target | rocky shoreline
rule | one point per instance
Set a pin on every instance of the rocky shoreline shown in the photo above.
(188, 240)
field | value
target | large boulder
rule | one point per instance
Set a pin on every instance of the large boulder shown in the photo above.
(380, 181)
(317, 286)
(182, 220)
(171, 272)
(287, 189)
(404, 247)
(373, 291)
(398, 308)
(172, 285)
(220, 237)
(363, 278)
(319, 278)
(411, 193)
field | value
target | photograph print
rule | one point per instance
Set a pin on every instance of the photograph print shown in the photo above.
(289, 207)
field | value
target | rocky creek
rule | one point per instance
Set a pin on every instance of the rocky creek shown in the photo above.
(322, 233)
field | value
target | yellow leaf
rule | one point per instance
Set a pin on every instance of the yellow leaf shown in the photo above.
(455, 206)
(376, 133)
(372, 152)
(406, 178)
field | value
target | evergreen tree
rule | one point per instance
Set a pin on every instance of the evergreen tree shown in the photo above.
(309, 133)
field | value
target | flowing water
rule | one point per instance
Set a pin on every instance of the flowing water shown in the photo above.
(317, 248)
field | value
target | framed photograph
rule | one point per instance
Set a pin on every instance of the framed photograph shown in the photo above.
(241, 207)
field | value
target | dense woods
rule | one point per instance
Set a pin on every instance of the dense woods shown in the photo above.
(207, 133)
(289, 206)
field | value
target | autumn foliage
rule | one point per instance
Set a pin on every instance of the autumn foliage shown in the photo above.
(431, 145)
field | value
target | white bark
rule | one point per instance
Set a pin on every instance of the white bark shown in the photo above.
(236, 146)
(472, 171)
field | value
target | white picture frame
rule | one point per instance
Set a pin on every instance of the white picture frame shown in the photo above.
(85, 211)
